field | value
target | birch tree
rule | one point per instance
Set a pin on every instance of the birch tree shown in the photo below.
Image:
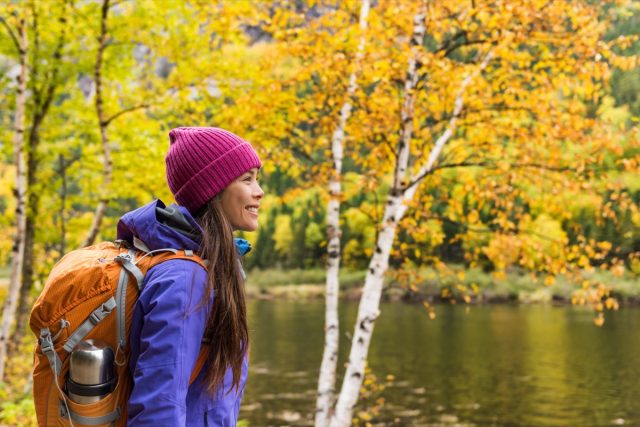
(369, 304)
(44, 82)
(327, 377)
(399, 197)
(19, 38)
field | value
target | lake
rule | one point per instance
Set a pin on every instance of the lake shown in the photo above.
(494, 365)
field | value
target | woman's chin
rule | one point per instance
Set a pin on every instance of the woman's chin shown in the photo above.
(248, 227)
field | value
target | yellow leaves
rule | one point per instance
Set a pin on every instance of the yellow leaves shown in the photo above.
(583, 261)
(473, 217)
(624, 63)
(604, 245)
(364, 416)
(283, 234)
(499, 275)
(371, 400)
(618, 269)
(598, 296)
(631, 164)
(430, 310)
(475, 288)
(611, 304)
(503, 250)
(598, 320)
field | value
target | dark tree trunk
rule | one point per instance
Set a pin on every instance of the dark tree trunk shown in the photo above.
(63, 164)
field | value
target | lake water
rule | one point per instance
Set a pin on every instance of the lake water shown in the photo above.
(495, 365)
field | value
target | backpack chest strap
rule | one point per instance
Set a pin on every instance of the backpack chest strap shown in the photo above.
(94, 319)
(46, 345)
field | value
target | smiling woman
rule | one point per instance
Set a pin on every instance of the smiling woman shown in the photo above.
(240, 201)
(213, 175)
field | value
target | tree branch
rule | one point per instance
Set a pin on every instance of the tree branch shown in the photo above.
(11, 34)
(108, 120)
(446, 135)
(57, 56)
(35, 69)
(458, 45)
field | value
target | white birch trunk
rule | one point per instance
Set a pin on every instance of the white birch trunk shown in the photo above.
(327, 376)
(17, 259)
(368, 309)
(102, 123)
(403, 151)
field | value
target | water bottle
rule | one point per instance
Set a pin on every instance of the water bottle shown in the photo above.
(91, 372)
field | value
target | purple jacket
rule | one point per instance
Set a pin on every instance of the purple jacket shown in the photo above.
(167, 328)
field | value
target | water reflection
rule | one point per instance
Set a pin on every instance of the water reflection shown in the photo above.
(491, 365)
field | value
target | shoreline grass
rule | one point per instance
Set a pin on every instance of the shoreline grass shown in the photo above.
(480, 286)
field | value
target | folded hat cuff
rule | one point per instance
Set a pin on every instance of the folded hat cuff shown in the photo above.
(216, 176)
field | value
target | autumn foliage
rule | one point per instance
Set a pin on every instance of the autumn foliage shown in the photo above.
(520, 141)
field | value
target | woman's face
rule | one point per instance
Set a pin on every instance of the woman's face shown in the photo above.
(240, 201)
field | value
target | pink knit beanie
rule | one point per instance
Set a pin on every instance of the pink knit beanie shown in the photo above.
(202, 161)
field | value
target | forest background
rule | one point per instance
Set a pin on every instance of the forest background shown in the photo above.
(539, 187)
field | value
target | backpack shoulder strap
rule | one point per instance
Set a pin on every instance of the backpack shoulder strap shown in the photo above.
(166, 255)
(169, 254)
(202, 359)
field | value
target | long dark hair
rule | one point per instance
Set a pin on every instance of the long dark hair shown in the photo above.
(226, 331)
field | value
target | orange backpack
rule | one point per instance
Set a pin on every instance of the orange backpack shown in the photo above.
(91, 294)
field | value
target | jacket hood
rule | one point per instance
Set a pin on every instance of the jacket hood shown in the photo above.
(159, 227)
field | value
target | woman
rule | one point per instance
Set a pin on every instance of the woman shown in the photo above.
(212, 174)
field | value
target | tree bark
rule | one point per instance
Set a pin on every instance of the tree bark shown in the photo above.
(107, 172)
(63, 165)
(327, 377)
(368, 312)
(17, 258)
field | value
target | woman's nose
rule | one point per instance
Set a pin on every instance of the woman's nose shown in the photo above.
(258, 193)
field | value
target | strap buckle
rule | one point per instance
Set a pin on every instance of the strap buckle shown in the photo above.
(46, 343)
(97, 315)
(123, 258)
(95, 318)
